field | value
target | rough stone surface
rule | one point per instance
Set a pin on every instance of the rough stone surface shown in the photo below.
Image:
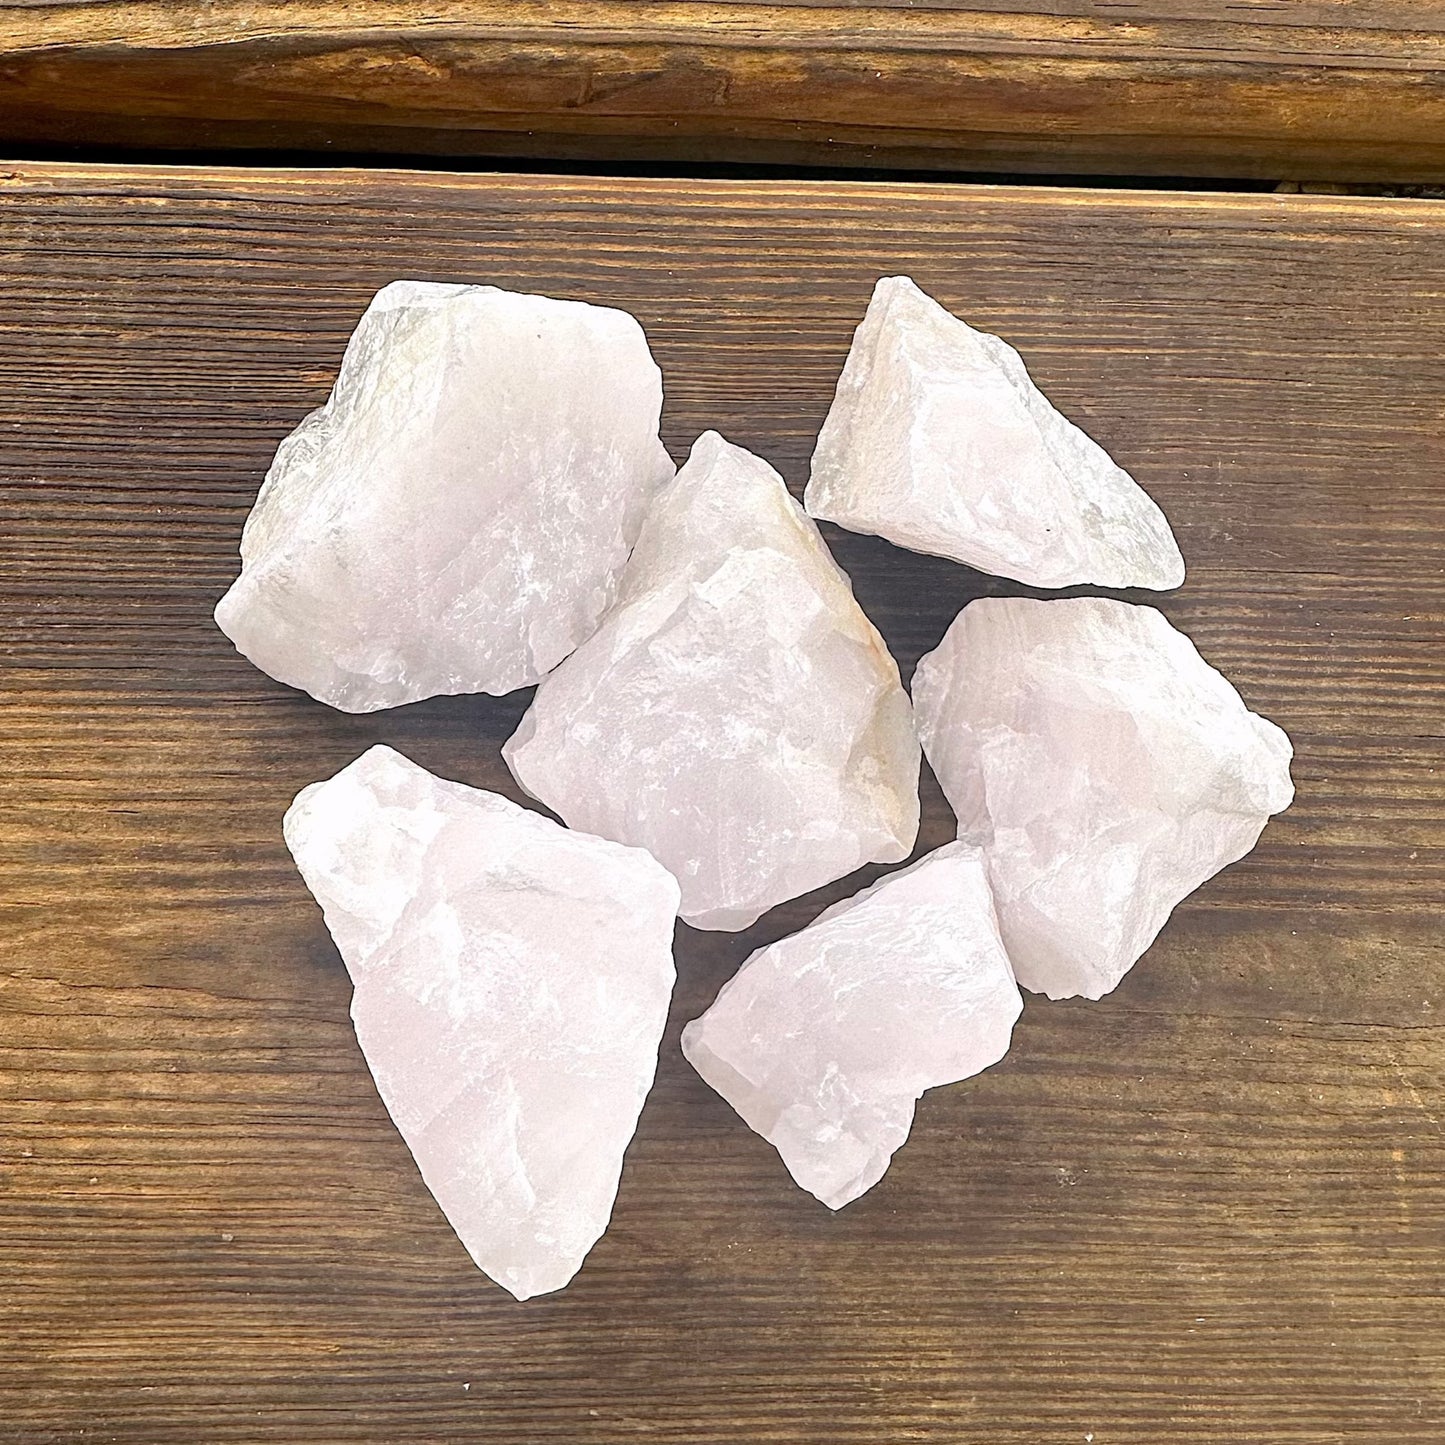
(454, 518)
(735, 714)
(824, 1041)
(939, 441)
(511, 980)
(1103, 766)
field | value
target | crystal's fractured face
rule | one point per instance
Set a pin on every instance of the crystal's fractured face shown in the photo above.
(939, 441)
(824, 1041)
(454, 518)
(511, 980)
(1103, 766)
(735, 714)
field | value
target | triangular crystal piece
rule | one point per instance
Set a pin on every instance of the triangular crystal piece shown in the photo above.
(939, 441)
(735, 714)
(511, 981)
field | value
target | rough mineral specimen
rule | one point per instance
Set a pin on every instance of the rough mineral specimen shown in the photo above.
(939, 441)
(824, 1041)
(1103, 766)
(511, 984)
(455, 517)
(735, 714)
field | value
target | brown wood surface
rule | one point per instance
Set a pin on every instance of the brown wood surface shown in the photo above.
(1209, 1207)
(1309, 89)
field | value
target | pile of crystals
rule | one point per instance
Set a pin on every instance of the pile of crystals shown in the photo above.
(484, 504)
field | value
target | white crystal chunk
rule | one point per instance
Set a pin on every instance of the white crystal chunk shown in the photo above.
(454, 518)
(939, 441)
(824, 1041)
(1103, 766)
(511, 981)
(736, 714)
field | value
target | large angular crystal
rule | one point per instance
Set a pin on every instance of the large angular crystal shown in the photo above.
(455, 517)
(511, 985)
(1103, 766)
(824, 1041)
(736, 714)
(939, 441)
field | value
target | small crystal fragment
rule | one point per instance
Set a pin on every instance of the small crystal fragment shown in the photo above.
(939, 441)
(454, 518)
(511, 981)
(736, 714)
(824, 1042)
(1103, 766)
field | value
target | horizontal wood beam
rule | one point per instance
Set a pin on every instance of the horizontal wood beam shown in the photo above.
(1343, 91)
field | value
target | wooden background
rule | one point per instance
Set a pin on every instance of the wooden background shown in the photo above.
(1209, 1207)
(1272, 89)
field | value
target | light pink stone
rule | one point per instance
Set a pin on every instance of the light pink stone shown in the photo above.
(735, 714)
(939, 440)
(455, 517)
(1102, 765)
(511, 981)
(824, 1041)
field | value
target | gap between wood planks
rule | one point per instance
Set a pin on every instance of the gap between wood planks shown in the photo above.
(709, 170)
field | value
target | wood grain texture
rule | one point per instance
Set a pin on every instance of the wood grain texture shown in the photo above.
(1332, 90)
(1211, 1206)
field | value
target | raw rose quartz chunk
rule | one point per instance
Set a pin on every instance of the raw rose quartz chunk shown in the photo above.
(824, 1041)
(1102, 765)
(454, 518)
(511, 981)
(939, 441)
(736, 714)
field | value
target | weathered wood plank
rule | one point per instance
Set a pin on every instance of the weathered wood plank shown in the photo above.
(1210, 1206)
(1350, 90)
